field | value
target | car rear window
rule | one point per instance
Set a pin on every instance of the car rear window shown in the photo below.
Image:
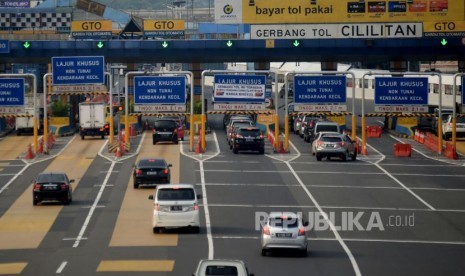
(221, 270)
(321, 128)
(331, 139)
(176, 194)
(165, 124)
(249, 132)
(290, 222)
(152, 163)
(461, 120)
(51, 178)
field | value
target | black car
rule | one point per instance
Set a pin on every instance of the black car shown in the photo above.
(248, 138)
(52, 186)
(165, 130)
(151, 171)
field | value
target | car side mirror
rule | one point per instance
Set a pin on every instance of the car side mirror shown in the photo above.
(170, 165)
(199, 196)
(71, 181)
(251, 274)
(151, 197)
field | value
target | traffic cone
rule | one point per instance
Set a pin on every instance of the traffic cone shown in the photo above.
(29, 154)
(41, 145)
(118, 152)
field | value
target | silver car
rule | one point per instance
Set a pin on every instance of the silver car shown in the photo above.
(337, 145)
(285, 230)
(318, 136)
(221, 267)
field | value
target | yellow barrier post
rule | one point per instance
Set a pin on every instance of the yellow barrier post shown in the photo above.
(276, 132)
(354, 127)
(364, 134)
(454, 131)
(286, 132)
(204, 143)
(111, 130)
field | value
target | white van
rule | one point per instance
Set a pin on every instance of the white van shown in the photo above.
(324, 126)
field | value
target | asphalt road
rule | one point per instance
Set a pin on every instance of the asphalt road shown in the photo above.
(389, 216)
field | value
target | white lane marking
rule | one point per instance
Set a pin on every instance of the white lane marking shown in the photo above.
(331, 225)
(357, 240)
(94, 206)
(230, 161)
(398, 181)
(201, 160)
(61, 267)
(14, 177)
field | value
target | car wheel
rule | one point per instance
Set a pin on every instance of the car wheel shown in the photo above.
(262, 151)
(35, 202)
(136, 185)
(264, 252)
(156, 230)
(66, 201)
(82, 137)
(70, 197)
(103, 136)
(318, 157)
(354, 156)
(196, 229)
(303, 253)
(154, 142)
(235, 150)
(182, 138)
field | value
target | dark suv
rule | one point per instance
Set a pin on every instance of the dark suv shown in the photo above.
(52, 186)
(151, 171)
(248, 138)
(165, 130)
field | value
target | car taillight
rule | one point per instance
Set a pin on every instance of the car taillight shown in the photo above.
(166, 171)
(138, 172)
(64, 186)
(239, 136)
(266, 230)
(301, 231)
(36, 187)
(341, 144)
(319, 143)
(261, 136)
(154, 131)
(196, 206)
(156, 207)
(107, 126)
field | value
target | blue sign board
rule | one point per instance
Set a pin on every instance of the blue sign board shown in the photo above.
(4, 46)
(12, 92)
(401, 91)
(319, 89)
(78, 70)
(159, 90)
(239, 88)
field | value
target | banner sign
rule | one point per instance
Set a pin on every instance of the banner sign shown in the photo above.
(336, 11)
(319, 89)
(159, 90)
(401, 91)
(239, 88)
(91, 29)
(331, 31)
(78, 70)
(12, 92)
(164, 28)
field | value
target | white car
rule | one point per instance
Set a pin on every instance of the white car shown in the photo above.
(459, 127)
(318, 136)
(221, 267)
(175, 206)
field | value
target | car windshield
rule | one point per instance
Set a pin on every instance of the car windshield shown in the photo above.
(165, 124)
(50, 178)
(286, 222)
(152, 163)
(218, 270)
(176, 194)
(250, 132)
(331, 139)
(327, 128)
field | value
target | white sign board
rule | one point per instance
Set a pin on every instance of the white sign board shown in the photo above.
(79, 88)
(12, 110)
(332, 31)
(400, 108)
(158, 108)
(238, 106)
(319, 108)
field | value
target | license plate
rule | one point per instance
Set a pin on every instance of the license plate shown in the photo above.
(50, 187)
(249, 139)
(151, 173)
(284, 235)
(329, 145)
(176, 208)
